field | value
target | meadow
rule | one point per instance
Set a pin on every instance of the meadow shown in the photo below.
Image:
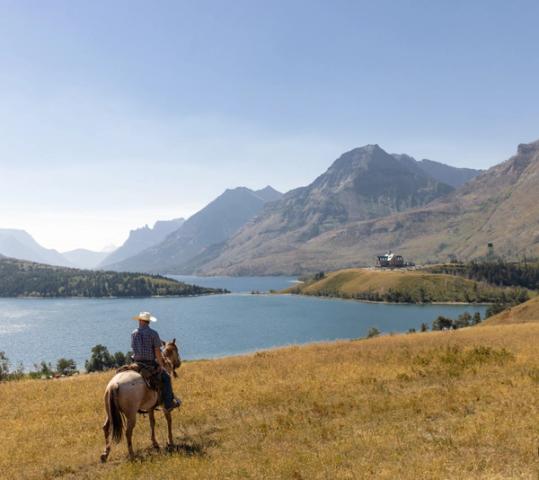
(456, 404)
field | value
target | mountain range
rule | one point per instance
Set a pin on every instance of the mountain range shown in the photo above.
(197, 237)
(141, 239)
(19, 244)
(242, 231)
(83, 258)
(364, 205)
(368, 201)
(440, 171)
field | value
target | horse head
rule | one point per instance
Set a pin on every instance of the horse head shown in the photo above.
(171, 355)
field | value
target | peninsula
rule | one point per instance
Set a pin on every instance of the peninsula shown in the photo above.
(404, 286)
(21, 278)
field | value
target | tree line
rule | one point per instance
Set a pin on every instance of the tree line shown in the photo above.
(21, 278)
(100, 360)
(499, 272)
(479, 294)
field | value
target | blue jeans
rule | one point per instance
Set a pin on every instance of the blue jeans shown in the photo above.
(168, 396)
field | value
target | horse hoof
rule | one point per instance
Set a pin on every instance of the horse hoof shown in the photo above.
(103, 457)
(156, 446)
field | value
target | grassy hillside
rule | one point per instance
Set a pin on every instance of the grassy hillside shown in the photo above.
(459, 404)
(525, 312)
(401, 286)
(22, 278)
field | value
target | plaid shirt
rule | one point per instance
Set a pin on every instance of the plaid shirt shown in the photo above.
(144, 341)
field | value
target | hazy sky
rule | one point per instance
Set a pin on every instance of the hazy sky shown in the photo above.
(114, 114)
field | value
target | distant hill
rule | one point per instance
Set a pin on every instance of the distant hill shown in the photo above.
(313, 229)
(201, 233)
(453, 176)
(401, 286)
(82, 258)
(363, 184)
(19, 244)
(29, 279)
(141, 239)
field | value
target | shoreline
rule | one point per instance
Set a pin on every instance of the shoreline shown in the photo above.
(249, 294)
(329, 297)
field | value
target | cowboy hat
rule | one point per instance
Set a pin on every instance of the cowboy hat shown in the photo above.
(145, 317)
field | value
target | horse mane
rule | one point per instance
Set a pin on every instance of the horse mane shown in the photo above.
(168, 350)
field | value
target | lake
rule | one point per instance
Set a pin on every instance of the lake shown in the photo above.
(239, 284)
(32, 330)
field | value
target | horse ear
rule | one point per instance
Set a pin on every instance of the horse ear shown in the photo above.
(163, 343)
(174, 341)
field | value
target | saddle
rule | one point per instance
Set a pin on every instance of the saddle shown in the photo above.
(150, 374)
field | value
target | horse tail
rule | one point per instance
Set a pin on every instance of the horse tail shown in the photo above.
(114, 413)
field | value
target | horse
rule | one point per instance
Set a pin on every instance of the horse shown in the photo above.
(126, 394)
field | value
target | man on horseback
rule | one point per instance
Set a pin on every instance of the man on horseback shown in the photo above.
(146, 346)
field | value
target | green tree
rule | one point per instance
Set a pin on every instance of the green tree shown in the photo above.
(319, 276)
(100, 360)
(43, 369)
(463, 320)
(442, 323)
(495, 308)
(120, 359)
(476, 319)
(66, 366)
(4, 366)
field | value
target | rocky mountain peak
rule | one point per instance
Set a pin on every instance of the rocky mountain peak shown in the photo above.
(268, 194)
(528, 148)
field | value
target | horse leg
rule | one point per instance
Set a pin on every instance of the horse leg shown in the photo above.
(131, 421)
(106, 429)
(151, 416)
(168, 416)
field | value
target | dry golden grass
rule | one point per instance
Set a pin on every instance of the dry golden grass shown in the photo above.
(459, 404)
(525, 312)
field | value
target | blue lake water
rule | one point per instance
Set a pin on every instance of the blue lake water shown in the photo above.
(239, 284)
(32, 330)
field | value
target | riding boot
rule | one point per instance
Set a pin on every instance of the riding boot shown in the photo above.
(168, 396)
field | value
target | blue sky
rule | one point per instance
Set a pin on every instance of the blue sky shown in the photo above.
(117, 114)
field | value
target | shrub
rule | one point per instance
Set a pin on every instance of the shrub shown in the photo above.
(476, 319)
(373, 332)
(42, 369)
